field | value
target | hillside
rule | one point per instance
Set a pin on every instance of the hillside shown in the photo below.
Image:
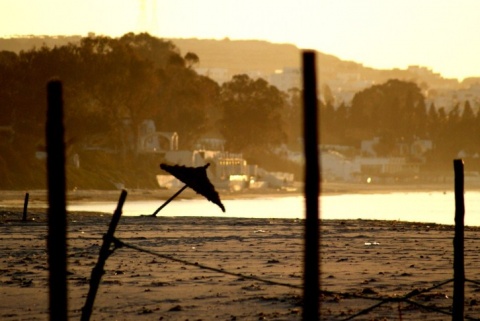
(236, 55)
(242, 56)
(29, 42)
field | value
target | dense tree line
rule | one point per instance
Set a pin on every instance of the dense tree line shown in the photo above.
(396, 112)
(111, 85)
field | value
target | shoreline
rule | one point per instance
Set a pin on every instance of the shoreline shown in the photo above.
(17, 197)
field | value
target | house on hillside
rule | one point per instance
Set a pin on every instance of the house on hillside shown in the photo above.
(386, 169)
(335, 166)
(415, 150)
(286, 78)
(219, 75)
(151, 141)
(366, 165)
(213, 141)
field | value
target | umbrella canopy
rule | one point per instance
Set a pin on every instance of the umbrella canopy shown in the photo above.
(196, 178)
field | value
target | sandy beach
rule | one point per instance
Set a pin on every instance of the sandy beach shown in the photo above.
(179, 268)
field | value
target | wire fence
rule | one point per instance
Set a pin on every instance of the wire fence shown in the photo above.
(407, 298)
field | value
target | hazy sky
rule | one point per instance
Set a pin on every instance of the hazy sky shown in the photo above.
(439, 34)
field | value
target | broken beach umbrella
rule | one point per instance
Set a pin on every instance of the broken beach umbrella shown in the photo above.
(194, 177)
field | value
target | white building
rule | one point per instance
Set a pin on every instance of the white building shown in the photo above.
(149, 140)
(335, 166)
(287, 78)
(220, 75)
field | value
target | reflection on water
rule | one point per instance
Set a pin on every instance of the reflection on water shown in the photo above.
(433, 207)
(281, 207)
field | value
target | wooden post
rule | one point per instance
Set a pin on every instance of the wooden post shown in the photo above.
(98, 271)
(458, 244)
(25, 207)
(57, 222)
(312, 190)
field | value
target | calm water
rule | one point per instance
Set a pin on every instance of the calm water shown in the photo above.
(432, 207)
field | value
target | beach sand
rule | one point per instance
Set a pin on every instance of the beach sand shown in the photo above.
(179, 274)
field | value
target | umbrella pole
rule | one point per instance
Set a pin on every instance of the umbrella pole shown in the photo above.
(169, 200)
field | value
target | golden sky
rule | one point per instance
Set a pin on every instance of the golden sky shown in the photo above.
(439, 34)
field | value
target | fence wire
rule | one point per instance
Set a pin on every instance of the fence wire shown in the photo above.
(118, 244)
(407, 298)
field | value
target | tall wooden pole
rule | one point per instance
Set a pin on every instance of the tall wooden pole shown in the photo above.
(458, 244)
(312, 190)
(57, 222)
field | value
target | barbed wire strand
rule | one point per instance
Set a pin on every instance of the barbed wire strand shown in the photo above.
(406, 298)
(434, 309)
(472, 281)
(383, 300)
(118, 244)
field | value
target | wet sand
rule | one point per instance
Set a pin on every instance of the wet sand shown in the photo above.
(178, 275)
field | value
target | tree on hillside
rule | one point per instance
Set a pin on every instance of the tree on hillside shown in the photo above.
(396, 106)
(191, 59)
(110, 86)
(8, 86)
(294, 118)
(23, 104)
(327, 122)
(341, 122)
(469, 128)
(327, 94)
(118, 83)
(459, 132)
(185, 101)
(158, 51)
(252, 114)
(141, 77)
(432, 121)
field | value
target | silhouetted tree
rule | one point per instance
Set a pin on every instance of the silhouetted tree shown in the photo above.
(293, 116)
(432, 122)
(9, 86)
(327, 94)
(326, 120)
(186, 101)
(252, 114)
(396, 106)
(158, 51)
(466, 130)
(191, 59)
(341, 123)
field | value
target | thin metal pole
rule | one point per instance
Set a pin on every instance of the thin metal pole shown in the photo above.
(169, 200)
(57, 222)
(98, 271)
(311, 305)
(458, 244)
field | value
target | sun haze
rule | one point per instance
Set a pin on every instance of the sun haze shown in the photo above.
(439, 34)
